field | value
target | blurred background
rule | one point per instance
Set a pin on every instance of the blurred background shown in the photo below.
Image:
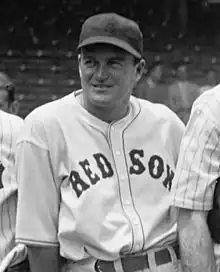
(38, 39)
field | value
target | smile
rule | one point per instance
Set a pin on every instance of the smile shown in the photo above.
(101, 86)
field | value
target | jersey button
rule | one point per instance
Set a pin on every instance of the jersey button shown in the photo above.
(127, 202)
(136, 222)
(138, 246)
(122, 178)
(117, 152)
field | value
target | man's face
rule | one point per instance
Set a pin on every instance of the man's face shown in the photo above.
(108, 74)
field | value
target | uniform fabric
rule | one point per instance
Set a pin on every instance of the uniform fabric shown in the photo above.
(16, 260)
(198, 166)
(103, 188)
(10, 126)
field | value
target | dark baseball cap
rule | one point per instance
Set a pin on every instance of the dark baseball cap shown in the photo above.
(112, 29)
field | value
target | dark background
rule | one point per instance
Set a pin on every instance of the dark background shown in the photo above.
(38, 40)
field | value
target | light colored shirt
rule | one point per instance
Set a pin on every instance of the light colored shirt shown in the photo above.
(10, 126)
(198, 164)
(97, 190)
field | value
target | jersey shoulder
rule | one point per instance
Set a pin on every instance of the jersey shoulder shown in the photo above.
(209, 104)
(51, 110)
(159, 113)
(14, 121)
(43, 122)
(166, 124)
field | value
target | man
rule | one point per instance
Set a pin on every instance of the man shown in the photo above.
(12, 258)
(99, 199)
(195, 180)
(8, 102)
(182, 93)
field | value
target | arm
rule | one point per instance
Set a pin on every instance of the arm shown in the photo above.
(196, 247)
(193, 187)
(44, 259)
(38, 201)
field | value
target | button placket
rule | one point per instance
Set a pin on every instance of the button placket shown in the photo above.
(125, 194)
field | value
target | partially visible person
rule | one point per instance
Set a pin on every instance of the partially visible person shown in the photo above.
(182, 93)
(8, 103)
(100, 198)
(211, 81)
(195, 182)
(150, 86)
(12, 257)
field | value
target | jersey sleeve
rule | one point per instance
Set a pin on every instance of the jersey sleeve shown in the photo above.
(176, 133)
(198, 162)
(38, 198)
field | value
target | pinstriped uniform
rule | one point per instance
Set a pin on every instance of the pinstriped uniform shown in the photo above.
(10, 126)
(199, 158)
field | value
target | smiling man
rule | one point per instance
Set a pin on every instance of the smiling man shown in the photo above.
(95, 168)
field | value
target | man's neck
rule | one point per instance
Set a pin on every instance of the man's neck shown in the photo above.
(105, 114)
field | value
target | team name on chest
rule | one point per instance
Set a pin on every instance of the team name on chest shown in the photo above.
(155, 167)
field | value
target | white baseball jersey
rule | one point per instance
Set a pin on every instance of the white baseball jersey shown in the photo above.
(95, 189)
(199, 158)
(10, 126)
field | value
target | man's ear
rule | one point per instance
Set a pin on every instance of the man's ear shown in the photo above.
(14, 107)
(79, 58)
(140, 69)
(79, 66)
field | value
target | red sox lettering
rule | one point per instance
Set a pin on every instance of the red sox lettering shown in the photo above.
(156, 168)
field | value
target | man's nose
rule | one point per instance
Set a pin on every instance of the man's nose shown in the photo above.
(102, 72)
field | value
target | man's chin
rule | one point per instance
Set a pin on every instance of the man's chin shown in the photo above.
(102, 100)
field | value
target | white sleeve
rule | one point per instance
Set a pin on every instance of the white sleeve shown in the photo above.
(198, 163)
(38, 197)
(176, 134)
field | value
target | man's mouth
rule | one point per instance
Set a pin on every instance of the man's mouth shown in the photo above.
(101, 86)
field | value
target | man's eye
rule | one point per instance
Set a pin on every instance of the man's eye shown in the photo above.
(114, 63)
(89, 63)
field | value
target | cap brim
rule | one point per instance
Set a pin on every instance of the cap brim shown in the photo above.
(110, 40)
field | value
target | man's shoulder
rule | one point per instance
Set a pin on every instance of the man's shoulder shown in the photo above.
(159, 113)
(164, 122)
(210, 98)
(157, 109)
(209, 103)
(11, 126)
(10, 118)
